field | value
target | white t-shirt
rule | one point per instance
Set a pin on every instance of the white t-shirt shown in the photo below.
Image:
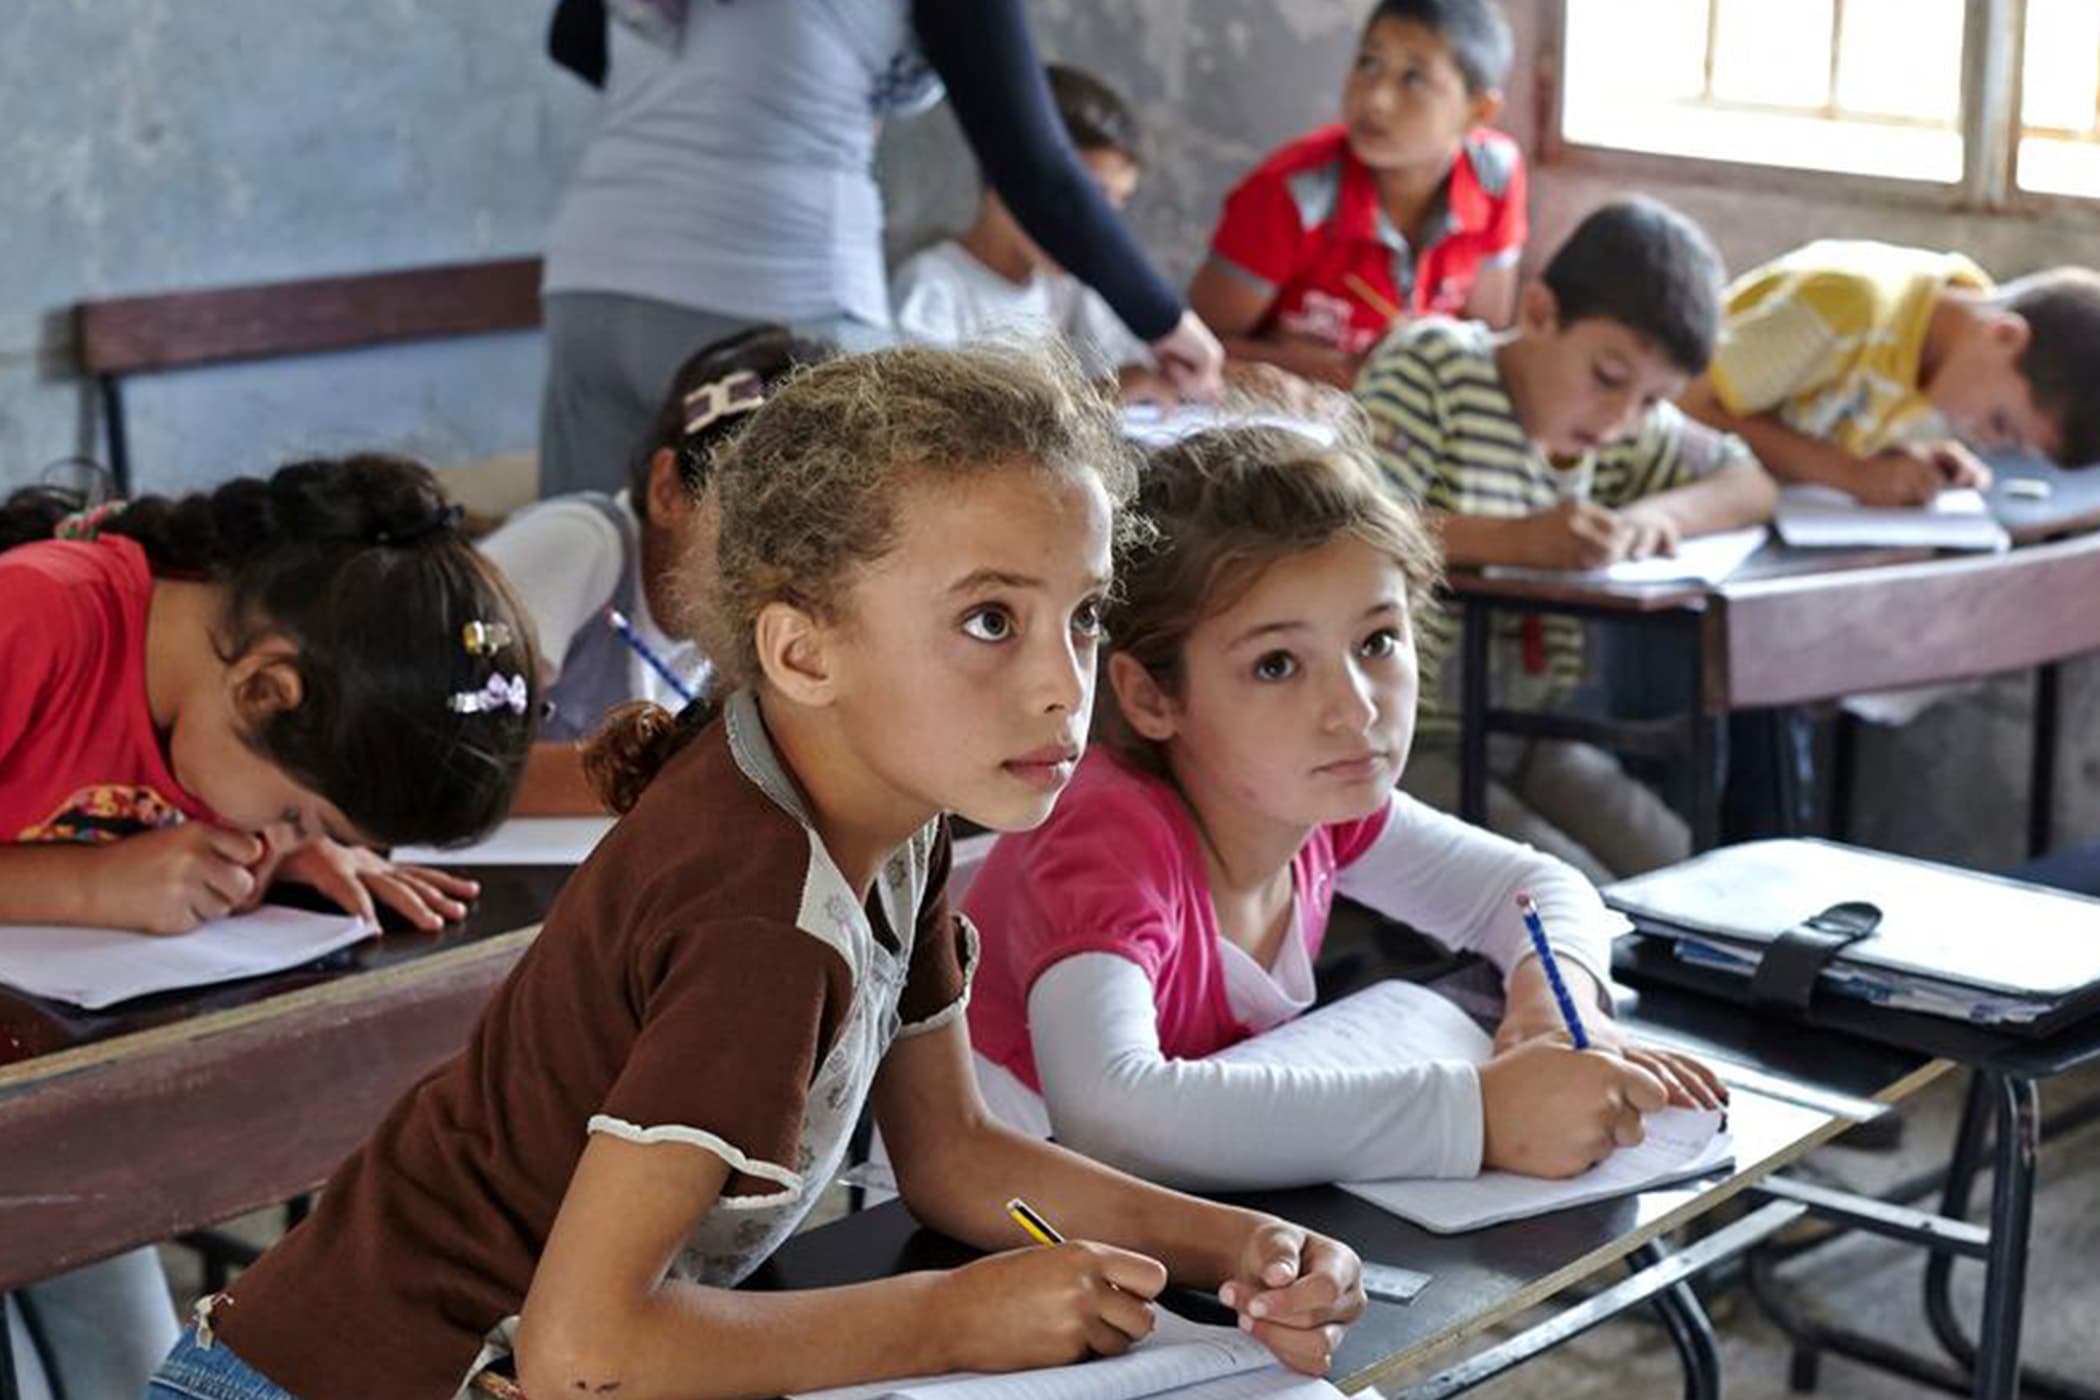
(944, 296)
(566, 560)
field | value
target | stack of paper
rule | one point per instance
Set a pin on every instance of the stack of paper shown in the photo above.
(1182, 1359)
(1820, 517)
(519, 841)
(98, 967)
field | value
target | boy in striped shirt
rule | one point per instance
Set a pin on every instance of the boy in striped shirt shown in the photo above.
(1557, 445)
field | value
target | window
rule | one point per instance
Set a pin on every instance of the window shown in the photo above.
(1854, 87)
(2060, 98)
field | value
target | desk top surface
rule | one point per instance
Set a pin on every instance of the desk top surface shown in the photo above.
(512, 897)
(1476, 1279)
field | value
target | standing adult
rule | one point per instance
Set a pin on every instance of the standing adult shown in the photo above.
(731, 181)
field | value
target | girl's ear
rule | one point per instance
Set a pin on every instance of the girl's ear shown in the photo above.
(794, 655)
(1146, 707)
(265, 681)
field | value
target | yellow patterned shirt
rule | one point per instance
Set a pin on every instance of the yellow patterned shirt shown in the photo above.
(1828, 339)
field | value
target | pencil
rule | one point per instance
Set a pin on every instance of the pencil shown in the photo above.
(619, 623)
(1373, 297)
(1537, 929)
(1026, 1216)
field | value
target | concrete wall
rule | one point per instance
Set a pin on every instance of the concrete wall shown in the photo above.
(152, 146)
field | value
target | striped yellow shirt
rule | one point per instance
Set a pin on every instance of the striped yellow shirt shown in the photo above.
(1447, 435)
(1829, 336)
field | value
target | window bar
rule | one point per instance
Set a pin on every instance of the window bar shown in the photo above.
(1837, 47)
(1713, 44)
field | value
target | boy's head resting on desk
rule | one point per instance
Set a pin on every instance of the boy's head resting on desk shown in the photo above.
(1262, 649)
(1624, 316)
(1426, 73)
(711, 399)
(2017, 370)
(914, 554)
(326, 654)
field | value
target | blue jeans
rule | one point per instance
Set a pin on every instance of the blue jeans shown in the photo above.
(197, 1372)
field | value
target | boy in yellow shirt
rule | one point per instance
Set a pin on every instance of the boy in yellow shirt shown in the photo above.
(1877, 369)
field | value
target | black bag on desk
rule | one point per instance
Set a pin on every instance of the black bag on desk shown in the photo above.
(1781, 924)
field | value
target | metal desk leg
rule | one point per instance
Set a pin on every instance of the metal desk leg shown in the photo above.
(1962, 1167)
(1691, 1331)
(1701, 734)
(2041, 773)
(2012, 1208)
(1472, 718)
(1844, 742)
(10, 1388)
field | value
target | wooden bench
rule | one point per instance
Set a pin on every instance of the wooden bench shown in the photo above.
(125, 336)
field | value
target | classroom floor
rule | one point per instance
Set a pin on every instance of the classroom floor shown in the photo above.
(1874, 1285)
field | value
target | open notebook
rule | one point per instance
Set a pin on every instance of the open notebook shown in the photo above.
(98, 967)
(1397, 1023)
(1183, 1359)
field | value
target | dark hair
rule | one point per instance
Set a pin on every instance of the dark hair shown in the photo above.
(769, 352)
(1095, 115)
(1223, 506)
(357, 562)
(1476, 31)
(810, 496)
(2062, 361)
(1639, 262)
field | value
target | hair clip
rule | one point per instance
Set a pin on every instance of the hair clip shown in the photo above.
(87, 524)
(485, 638)
(501, 692)
(726, 397)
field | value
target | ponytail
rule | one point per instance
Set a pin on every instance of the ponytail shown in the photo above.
(633, 744)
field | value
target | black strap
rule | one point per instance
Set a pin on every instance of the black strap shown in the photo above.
(576, 39)
(1786, 975)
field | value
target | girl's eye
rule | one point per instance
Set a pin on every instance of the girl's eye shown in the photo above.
(990, 624)
(1414, 77)
(1086, 619)
(1380, 644)
(1366, 64)
(1276, 666)
(1610, 384)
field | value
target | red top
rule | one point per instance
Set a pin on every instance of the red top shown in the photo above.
(1307, 222)
(79, 758)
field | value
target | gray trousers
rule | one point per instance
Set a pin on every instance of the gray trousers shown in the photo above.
(610, 360)
(1568, 800)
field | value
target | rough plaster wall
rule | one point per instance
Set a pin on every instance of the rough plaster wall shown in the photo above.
(152, 146)
(1220, 82)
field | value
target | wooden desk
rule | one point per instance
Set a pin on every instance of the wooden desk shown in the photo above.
(173, 1113)
(1798, 626)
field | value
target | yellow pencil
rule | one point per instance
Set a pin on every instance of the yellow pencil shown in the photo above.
(1026, 1216)
(1373, 298)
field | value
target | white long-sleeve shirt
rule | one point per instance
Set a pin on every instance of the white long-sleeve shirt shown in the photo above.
(1111, 1093)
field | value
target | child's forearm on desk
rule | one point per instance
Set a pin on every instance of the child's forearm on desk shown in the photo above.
(1787, 455)
(48, 884)
(1483, 539)
(1736, 495)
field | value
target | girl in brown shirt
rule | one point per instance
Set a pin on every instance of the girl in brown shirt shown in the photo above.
(914, 548)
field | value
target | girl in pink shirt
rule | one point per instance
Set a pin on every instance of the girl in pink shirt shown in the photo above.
(1264, 687)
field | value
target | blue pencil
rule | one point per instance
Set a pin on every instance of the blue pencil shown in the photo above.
(1530, 911)
(621, 625)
